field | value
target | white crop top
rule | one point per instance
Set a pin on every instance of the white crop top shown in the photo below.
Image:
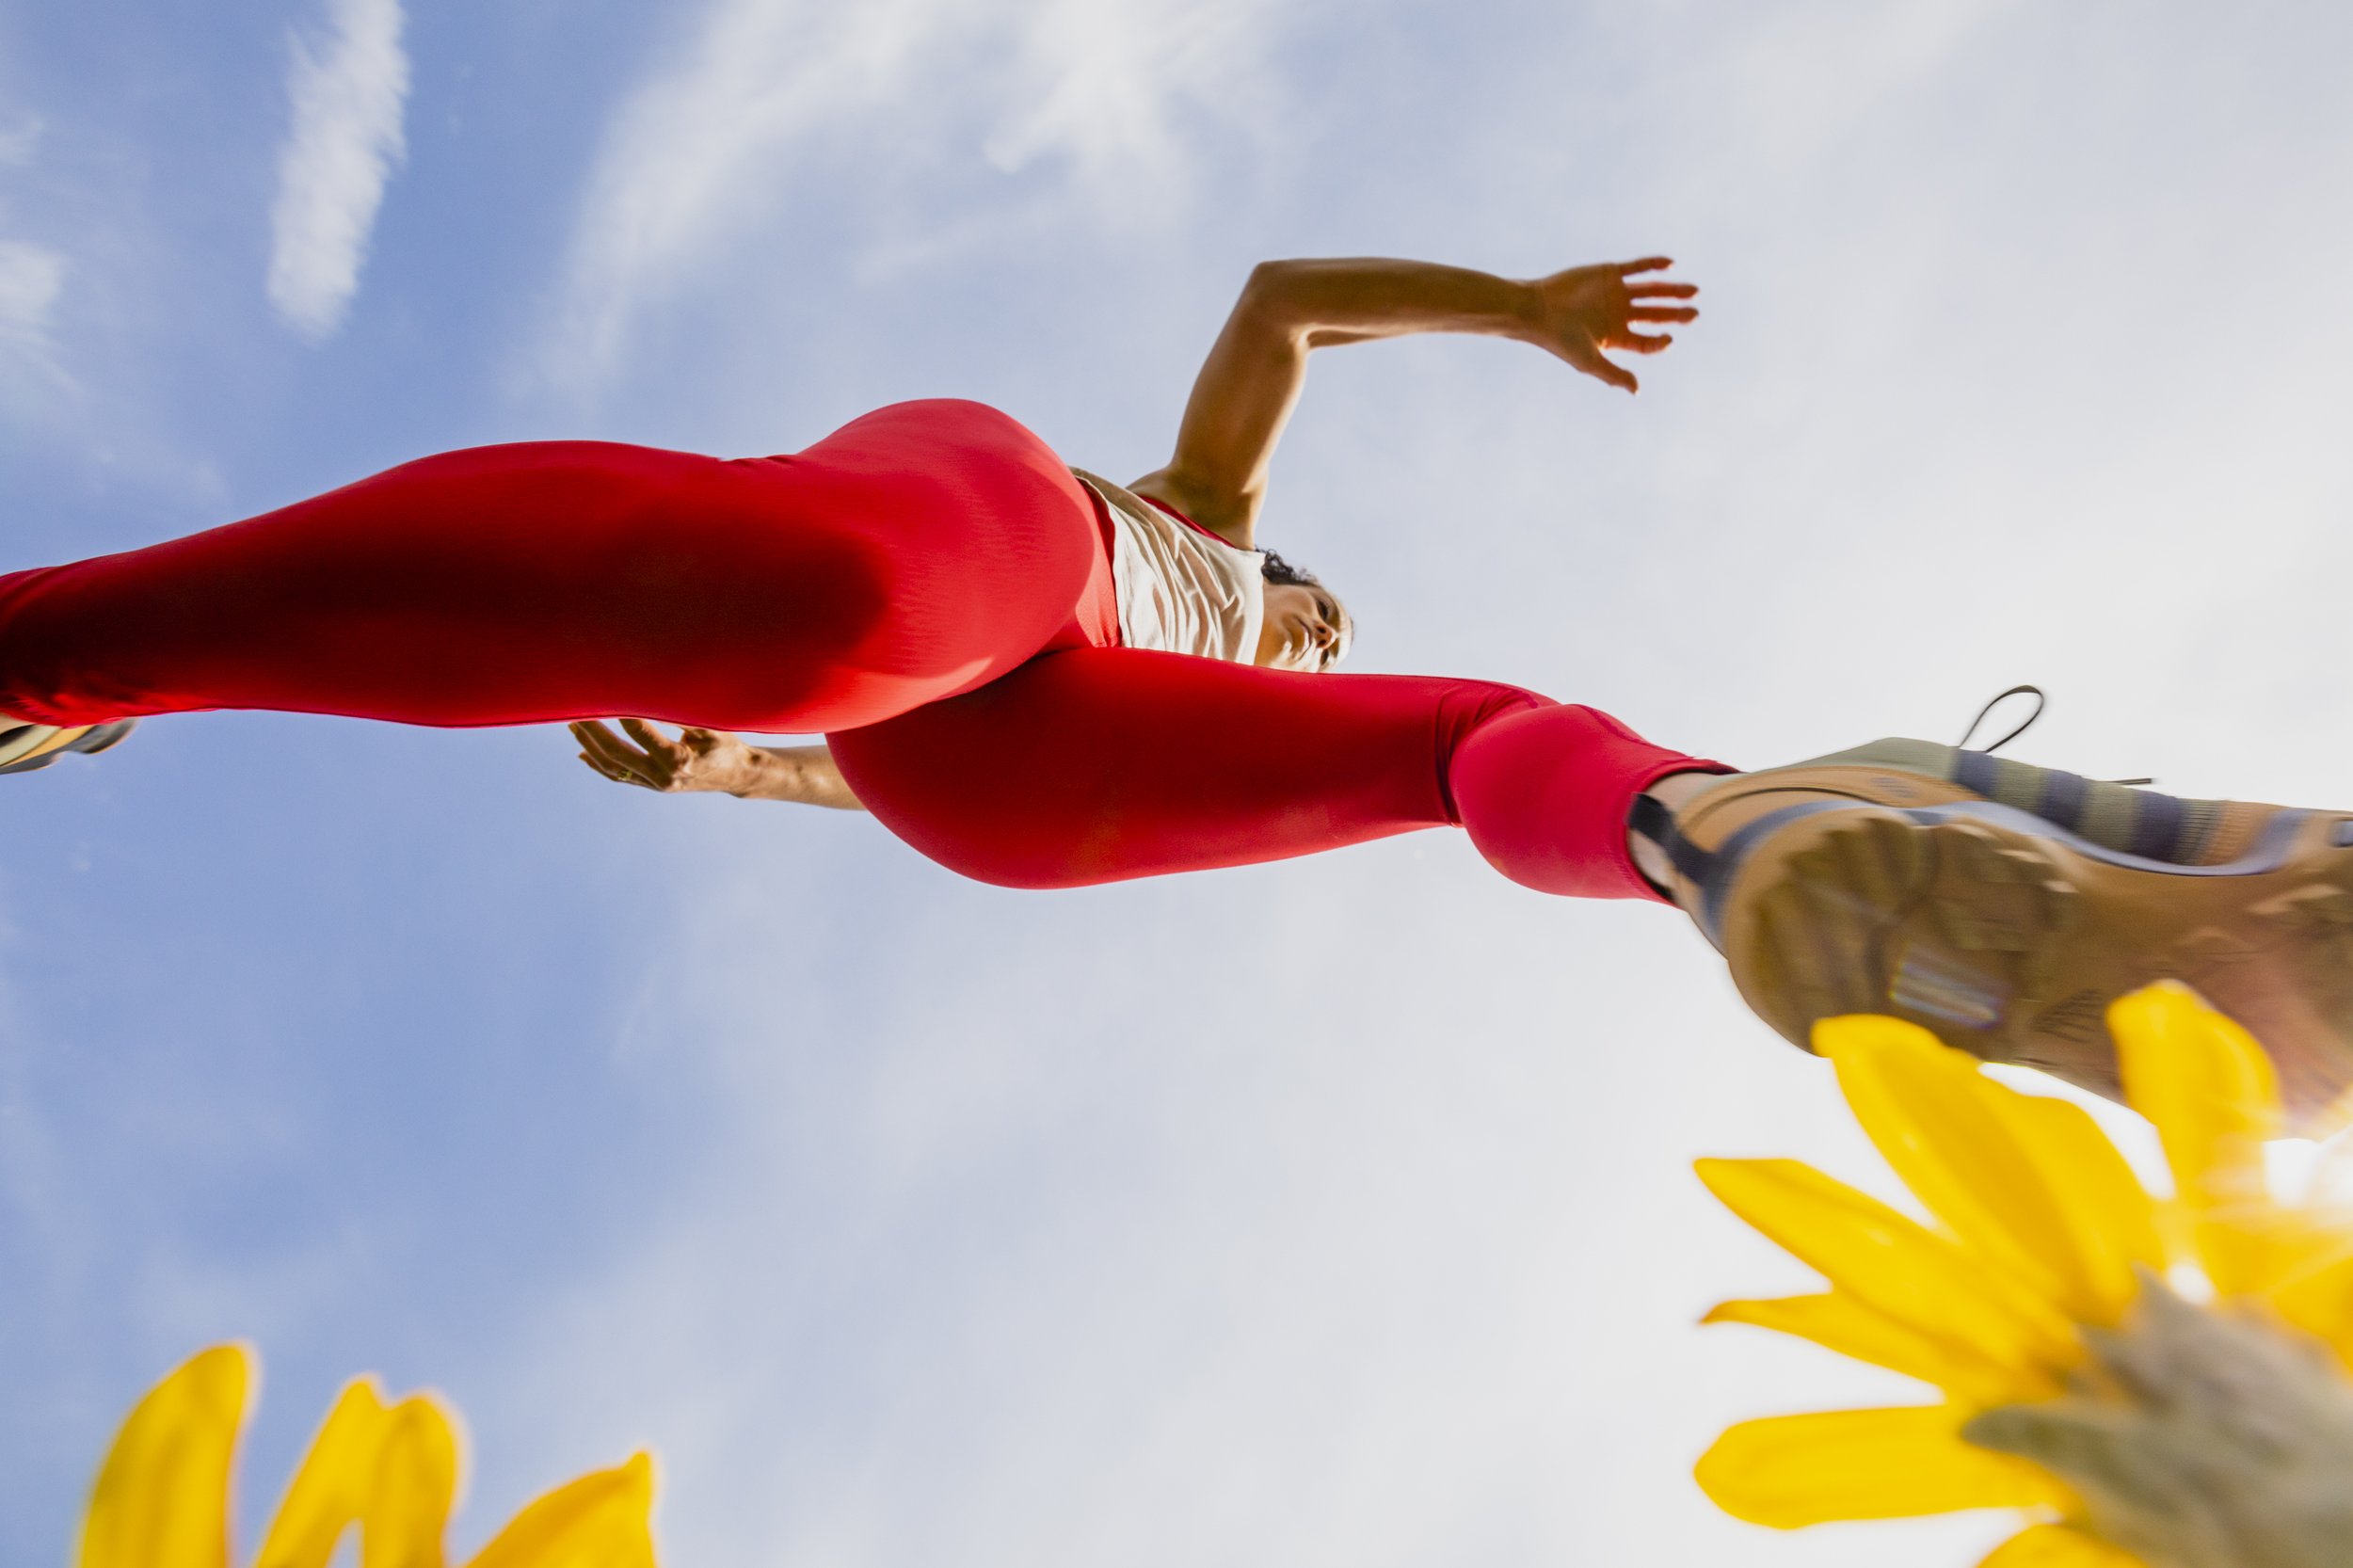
(1180, 590)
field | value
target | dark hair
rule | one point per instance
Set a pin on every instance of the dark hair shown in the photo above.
(1280, 572)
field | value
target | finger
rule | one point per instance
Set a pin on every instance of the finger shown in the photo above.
(1662, 313)
(607, 770)
(629, 772)
(597, 739)
(646, 735)
(615, 774)
(1616, 375)
(665, 752)
(701, 741)
(1656, 290)
(1648, 263)
(1641, 343)
(628, 765)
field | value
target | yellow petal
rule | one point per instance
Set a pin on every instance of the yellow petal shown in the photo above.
(2057, 1546)
(1892, 1264)
(2210, 1090)
(1839, 1323)
(1792, 1470)
(330, 1487)
(162, 1495)
(1959, 1143)
(598, 1520)
(416, 1482)
(391, 1471)
(2311, 1285)
(2114, 1218)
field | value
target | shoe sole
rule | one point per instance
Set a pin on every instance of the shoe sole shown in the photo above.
(22, 752)
(2008, 937)
(104, 737)
(22, 742)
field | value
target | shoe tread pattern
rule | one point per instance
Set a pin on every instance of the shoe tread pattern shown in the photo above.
(2012, 947)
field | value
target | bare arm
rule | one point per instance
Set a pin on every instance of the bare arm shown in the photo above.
(714, 760)
(1251, 381)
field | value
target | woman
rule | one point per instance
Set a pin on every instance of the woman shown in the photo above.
(1187, 576)
(915, 555)
(1041, 679)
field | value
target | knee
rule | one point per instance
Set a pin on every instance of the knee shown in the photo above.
(1545, 792)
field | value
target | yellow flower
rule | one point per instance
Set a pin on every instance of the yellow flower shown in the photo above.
(2133, 1427)
(388, 1470)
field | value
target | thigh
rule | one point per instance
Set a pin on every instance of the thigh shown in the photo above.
(980, 548)
(1102, 764)
(916, 553)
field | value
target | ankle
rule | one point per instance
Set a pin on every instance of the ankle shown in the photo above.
(1673, 790)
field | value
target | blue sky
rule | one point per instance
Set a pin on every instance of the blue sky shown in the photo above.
(1329, 1212)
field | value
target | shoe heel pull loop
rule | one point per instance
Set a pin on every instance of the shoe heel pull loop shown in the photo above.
(2040, 702)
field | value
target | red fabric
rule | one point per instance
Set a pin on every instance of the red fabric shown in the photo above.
(916, 552)
(1103, 764)
(1099, 765)
(928, 582)
(1159, 505)
(1545, 794)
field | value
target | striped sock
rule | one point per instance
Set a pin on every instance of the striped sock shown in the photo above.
(2114, 816)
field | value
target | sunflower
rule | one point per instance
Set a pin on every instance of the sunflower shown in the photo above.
(2158, 1381)
(391, 1470)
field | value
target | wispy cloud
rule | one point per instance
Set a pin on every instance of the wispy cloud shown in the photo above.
(32, 280)
(1102, 99)
(346, 93)
(18, 142)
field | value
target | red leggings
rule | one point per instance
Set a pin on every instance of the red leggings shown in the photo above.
(928, 585)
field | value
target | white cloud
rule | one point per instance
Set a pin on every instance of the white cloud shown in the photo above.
(1098, 94)
(1377, 1244)
(18, 142)
(928, 1240)
(1106, 86)
(345, 142)
(31, 278)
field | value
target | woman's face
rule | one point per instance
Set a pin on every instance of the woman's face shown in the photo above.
(1305, 629)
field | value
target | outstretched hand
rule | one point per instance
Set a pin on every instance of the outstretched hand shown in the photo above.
(697, 759)
(1585, 309)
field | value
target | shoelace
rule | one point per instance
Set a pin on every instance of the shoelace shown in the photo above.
(2041, 700)
(1650, 819)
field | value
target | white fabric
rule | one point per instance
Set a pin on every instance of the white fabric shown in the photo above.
(1180, 590)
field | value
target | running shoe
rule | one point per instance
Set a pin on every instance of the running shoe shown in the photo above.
(2004, 907)
(25, 747)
